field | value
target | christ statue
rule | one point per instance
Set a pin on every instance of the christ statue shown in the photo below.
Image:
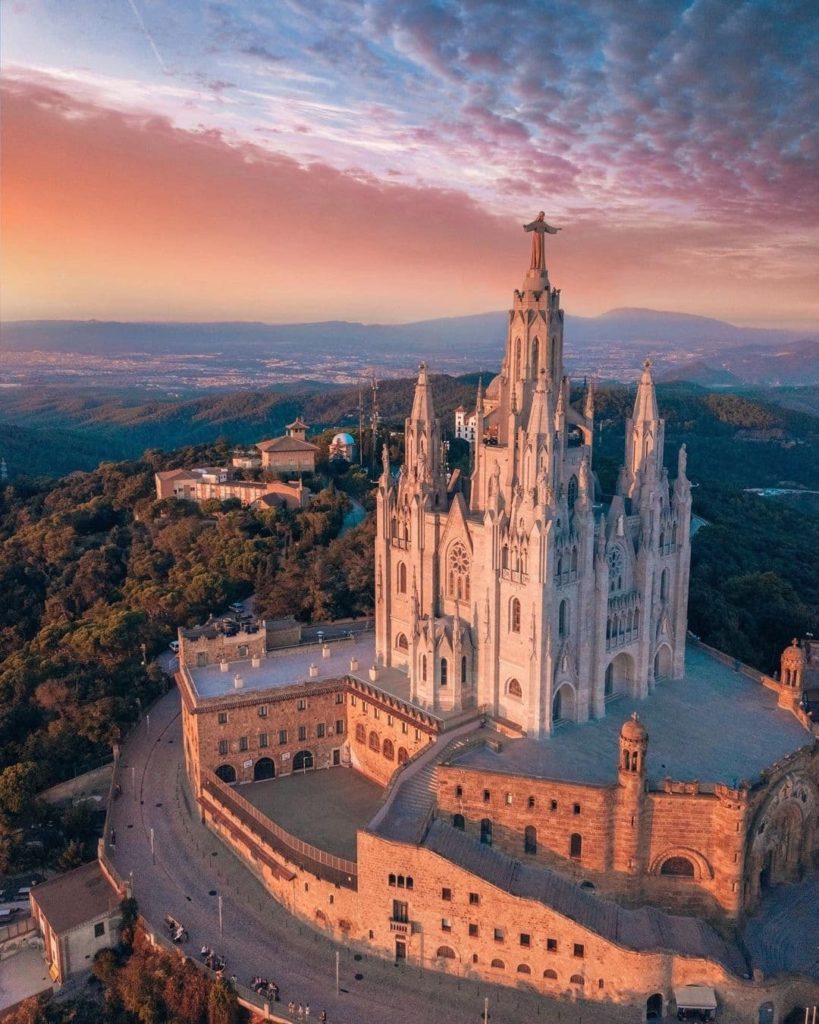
(539, 229)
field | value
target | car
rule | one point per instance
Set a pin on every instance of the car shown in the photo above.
(174, 646)
(237, 607)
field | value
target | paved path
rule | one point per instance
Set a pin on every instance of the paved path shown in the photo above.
(260, 937)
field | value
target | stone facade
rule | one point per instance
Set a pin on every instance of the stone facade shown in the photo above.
(517, 593)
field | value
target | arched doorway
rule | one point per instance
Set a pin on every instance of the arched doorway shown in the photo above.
(226, 772)
(654, 1007)
(303, 761)
(264, 769)
(622, 673)
(563, 704)
(766, 1013)
(662, 662)
(486, 831)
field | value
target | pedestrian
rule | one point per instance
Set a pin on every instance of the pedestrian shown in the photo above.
(306, 1011)
(300, 1012)
(323, 1017)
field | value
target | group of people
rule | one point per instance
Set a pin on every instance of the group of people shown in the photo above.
(303, 1012)
(213, 960)
(177, 931)
(268, 989)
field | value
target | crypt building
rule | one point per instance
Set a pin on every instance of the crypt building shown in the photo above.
(519, 591)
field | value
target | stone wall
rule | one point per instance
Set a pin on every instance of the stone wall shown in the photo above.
(382, 734)
(211, 650)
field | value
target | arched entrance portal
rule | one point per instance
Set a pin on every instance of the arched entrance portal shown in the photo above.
(303, 761)
(226, 772)
(563, 704)
(662, 663)
(264, 769)
(620, 674)
(654, 1007)
(766, 1013)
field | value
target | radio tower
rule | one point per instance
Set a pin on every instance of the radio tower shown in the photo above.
(374, 422)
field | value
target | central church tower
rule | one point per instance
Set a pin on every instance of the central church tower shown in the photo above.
(506, 591)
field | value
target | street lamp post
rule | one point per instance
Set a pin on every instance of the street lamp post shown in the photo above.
(133, 782)
(221, 929)
(153, 850)
(486, 1010)
(337, 959)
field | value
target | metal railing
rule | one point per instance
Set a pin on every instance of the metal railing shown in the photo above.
(266, 828)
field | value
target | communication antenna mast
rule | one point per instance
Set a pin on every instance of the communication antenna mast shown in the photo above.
(360, 423)
(374, 422)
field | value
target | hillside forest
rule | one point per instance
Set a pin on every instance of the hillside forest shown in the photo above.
(97, 575)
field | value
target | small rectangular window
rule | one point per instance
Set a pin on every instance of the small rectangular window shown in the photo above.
(376, 712)
(473, 931)
(389, 719)
(282, 736)
(508, 799)
(579, 949)
(525, 940)
(353, 699)
(263, 711)
(339, 726)
(404, 728)
(446, 924)
(576, 809)
(263, 740)
(553, 805)
(531, 802)
(320, 731)
(446, 894)
(301, 704)
(474, 899)
(418, 734)
(499, 935)
(339, 698)
(222, 718)
(364, 707)
(459, 791)
(243, 743)
(487, 796)
(302, 732)
(551, 945)
(99, 929)
(223, 746)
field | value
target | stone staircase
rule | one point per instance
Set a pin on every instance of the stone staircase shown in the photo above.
(407, 812)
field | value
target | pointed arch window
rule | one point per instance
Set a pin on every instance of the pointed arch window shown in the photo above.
(458, 567)
(664, 585)
(463, 670)
(535, 357)
(444, 672)
(616, 569)
(402, 578)
(423, 668)
(571, 492)
(514, 616)
(563, 619)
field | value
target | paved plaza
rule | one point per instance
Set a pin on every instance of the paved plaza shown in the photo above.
(715, 725)
(22, 975)
(324, 808)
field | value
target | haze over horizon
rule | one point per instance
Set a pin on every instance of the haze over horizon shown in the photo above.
(374, 161)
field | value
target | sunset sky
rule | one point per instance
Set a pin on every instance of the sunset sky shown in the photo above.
(301, 160)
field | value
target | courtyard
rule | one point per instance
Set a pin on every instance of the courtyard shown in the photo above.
(324, 808)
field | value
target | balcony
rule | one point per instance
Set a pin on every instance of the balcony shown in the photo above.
(400, 927)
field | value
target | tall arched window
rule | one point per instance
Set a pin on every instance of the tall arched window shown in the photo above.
(664, 585)
(571, 492)
(360, 733)
(616, 569)
(535, 357)
(402, 578)
(505, 557)
(530, 839)
(444, 672)
(375, 743)
(574, 560)
(459, 822)
(403, 757)
(458, 572)
(388, 750)
(514, 616)
(576, 846)
(518, 367)
(423, 668)
(486, 831)
(463, 670)
(608, 683)
(563, 619)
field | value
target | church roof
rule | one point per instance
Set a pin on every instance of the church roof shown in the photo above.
(286, 444)
(297, 424)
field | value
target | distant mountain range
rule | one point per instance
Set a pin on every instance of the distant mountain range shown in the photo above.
(233, 354)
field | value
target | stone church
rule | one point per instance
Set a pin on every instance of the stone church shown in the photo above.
(519, 590)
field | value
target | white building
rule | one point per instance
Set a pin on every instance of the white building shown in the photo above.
(510, 591)
(465, 424)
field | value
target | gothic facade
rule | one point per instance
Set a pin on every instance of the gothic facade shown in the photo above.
(516, 591)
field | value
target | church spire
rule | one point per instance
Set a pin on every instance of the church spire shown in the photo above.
(422, 444)
(422, 408)
(644, 437)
